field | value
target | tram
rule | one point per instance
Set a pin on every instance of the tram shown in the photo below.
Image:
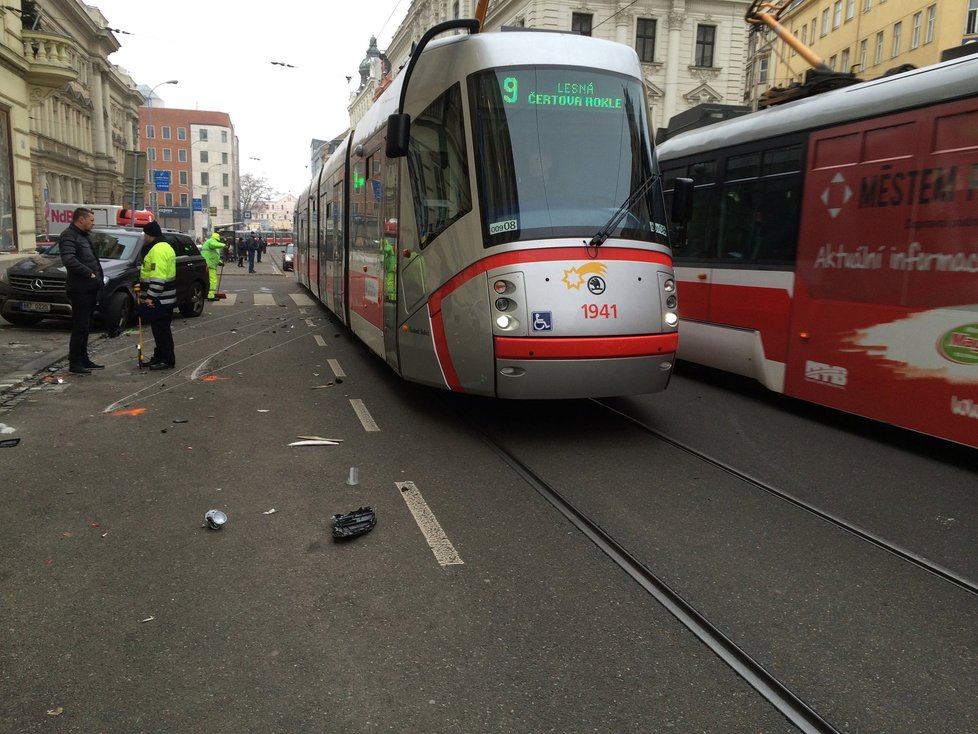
(833, 249)
(495, 223)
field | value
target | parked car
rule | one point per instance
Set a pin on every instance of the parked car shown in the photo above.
(34, 289)
(44, 242)
(288, 258)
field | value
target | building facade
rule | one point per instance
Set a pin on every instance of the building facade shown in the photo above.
(864, 37)
(190, 155)
(83, 123)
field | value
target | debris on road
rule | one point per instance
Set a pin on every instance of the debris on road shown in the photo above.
(320, 438)
(270, 512)
(56, 712)
(148, 619)
(354, 478)
(181, 420)
(356, 522)
(319, 442)
(214, 519)
(9, 443)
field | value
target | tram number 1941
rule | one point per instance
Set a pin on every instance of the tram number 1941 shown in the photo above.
(594, 311)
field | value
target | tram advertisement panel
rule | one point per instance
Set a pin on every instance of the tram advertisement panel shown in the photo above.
(886, 316)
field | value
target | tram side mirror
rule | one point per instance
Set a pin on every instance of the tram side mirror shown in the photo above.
(682, 209)
(398, 135)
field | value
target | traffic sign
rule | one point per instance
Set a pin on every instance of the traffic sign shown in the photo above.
(198, 204)
(161, 180)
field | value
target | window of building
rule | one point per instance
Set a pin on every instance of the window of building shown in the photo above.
(931, 20)
(224, 179)
(833, 60)
(151, 154)
(8, 229)
(455, 9)
(581, 23)
(837, 14)
(167, 154)
(826, 19)
(227, 200)
(897, 33)
(878, 58)
(224, 136)
(203, 156)
(165, 132)
(915, 33)
(181, 133)
(167, 199)
(184, 200)
(868, 5)
(762, 69)
(150, 132)
(804, 34)
(224, 158)
(202, 133)
(183, 178)
(844, 63)
(863, 54)
(182, 156)
(705, 43)
(971, 22)
(205, 179)
(645, 39)
(850, 9)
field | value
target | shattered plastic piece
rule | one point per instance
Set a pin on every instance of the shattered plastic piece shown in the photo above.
(148, 619)
(214, 519)
(354, 523)
(9, 443)
(320, 442)
(180, 420)
(263, 410)
(320, 387)
(320, 438)
(272, 511)
(354, 478)
(56, 712)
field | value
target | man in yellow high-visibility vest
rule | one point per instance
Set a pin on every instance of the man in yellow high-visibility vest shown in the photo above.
(158, 277)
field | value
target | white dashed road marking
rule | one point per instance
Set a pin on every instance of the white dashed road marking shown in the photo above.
(441, 546)
(364, 415)
(319, 340)
(301, 299)
(335, 366)
(264, 299)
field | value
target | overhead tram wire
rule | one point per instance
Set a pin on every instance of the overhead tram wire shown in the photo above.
(393, 10)
(620, 10)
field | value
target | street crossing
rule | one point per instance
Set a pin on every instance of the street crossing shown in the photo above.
(260, 298)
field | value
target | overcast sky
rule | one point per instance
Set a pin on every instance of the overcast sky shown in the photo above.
(221, 53)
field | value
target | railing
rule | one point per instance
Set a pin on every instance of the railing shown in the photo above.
(50, 56)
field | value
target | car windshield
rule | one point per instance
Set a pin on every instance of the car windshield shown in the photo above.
(110, 245)
(559, 150)
(289, 249)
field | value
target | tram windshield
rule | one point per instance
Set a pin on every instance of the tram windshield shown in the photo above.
(558, 150)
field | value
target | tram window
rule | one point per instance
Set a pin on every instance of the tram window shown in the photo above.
(781, 160)
(743, 166)
(703, 172)
(437, 162)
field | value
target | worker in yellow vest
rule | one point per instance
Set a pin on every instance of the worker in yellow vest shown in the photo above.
(158, 277)
(211, 250)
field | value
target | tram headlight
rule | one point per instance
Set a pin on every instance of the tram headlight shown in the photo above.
(669, 285)
(501, 286)
(504, 304)
(505, 322)
(671, 318)
(671, 302)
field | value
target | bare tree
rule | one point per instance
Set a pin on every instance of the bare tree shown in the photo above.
(255, 193)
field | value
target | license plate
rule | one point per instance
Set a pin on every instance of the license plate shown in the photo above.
(42, 307)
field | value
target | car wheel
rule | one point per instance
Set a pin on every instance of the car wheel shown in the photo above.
(195, 304)
(118, 315)
(21, 319)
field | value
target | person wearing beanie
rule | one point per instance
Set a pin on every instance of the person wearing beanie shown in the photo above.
(158, 283)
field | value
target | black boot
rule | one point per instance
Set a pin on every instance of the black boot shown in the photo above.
(79, 369)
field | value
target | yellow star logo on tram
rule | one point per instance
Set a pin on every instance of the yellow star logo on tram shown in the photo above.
(582, 272)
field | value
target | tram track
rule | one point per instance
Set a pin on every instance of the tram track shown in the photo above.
(709, 630)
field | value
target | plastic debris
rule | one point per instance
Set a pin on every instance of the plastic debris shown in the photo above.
(263, 410)
(56, 712)
(180, 420)
(9, 443)
(356, 522)
(271, 511)
(320, 442)
(320, 438)
(354, 478)
(214, 519)
(148, 619)
(4, 428)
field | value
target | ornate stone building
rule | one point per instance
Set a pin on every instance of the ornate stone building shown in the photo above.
(85, 118)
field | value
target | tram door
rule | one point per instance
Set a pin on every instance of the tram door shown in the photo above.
(389, 250)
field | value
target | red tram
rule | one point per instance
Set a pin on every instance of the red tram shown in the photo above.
(833, 251)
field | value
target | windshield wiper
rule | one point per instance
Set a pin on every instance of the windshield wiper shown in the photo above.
(605, 232)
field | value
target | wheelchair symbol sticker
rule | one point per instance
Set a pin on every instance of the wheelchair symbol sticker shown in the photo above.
(542, 320)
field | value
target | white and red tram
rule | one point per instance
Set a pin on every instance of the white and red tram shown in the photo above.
(495, 225)
(833, 249)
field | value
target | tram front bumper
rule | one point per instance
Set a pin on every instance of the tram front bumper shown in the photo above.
(582, 378)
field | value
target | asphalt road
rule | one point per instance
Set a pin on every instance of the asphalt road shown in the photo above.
(471, 606)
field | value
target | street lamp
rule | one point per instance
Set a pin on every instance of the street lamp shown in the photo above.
(149, 125)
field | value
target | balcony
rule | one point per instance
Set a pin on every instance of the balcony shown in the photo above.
(49, 56)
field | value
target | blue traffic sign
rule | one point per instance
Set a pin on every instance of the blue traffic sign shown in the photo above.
(161, 180)
(198, 204)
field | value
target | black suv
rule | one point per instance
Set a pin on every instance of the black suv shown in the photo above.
(34, 288)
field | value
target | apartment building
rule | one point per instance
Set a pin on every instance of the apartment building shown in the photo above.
(192, 170)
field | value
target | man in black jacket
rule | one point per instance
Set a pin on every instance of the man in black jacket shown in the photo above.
(83, 285)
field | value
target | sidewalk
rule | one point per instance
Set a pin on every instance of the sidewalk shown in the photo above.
(271, 264)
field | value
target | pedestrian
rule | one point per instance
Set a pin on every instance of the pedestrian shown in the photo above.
(84, 281)
(158, 282)
(211, 250)
(262, 246)
(239, 247)
(252, 245)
